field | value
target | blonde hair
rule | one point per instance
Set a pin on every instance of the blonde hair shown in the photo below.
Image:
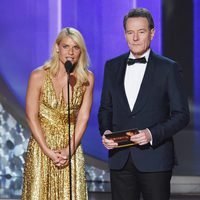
(83, 62)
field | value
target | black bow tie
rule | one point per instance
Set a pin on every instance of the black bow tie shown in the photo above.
(131, 61)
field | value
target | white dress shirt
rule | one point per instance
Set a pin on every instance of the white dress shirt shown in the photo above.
(133, 79)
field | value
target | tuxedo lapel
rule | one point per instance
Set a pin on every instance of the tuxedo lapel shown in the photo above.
(122, 71)
(146, 85)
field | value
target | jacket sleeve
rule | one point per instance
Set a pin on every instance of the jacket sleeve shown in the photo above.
(179, 112)
(105, 109)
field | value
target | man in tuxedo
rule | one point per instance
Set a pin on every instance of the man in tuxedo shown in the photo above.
(142, 90)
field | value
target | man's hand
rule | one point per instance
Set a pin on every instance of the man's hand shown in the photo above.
(142, 138)
(109, 144)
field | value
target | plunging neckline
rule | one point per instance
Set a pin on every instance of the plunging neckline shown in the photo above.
(60, 96)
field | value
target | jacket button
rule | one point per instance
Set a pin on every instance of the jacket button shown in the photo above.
(133, 116)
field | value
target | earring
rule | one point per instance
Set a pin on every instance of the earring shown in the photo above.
(57, 51)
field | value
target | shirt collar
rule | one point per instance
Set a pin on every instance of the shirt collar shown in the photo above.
(146, 55)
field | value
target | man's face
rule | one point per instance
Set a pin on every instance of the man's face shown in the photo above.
(138, 35)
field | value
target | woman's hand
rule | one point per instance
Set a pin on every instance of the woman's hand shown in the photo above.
(54, 156)
(63, 157)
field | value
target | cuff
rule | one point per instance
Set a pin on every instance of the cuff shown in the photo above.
(151, 141)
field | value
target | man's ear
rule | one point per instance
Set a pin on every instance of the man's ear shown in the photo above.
(125, 35)
(152, 33)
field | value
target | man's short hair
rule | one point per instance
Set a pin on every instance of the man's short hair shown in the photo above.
(139, 12)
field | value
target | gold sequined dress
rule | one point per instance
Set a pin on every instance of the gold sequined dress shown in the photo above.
(42, 179)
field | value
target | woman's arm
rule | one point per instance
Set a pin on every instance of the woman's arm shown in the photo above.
(32, 108)
(83, 117)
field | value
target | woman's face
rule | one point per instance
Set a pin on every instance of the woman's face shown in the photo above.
(69, 50)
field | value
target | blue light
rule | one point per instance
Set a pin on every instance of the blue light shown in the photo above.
(196, 64)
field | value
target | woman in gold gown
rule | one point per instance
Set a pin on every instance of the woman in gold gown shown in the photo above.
(46, 172)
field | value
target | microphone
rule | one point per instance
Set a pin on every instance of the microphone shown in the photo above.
(69, 67)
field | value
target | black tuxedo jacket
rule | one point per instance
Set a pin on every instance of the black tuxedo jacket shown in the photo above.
(161, 106)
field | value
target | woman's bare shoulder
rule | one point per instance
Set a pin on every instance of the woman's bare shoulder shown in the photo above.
(37, 76)
(90, 76)
(90, 82)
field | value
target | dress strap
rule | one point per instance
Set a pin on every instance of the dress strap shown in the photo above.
(48, 74)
